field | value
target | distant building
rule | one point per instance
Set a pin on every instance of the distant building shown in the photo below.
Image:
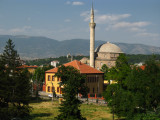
(31, 69)
(54, 63)
(68, 55)
(94, 79)
(85, 60)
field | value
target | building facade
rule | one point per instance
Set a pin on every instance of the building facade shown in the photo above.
(106, 54)
(94, 78)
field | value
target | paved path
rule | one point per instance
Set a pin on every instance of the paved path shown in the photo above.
(44, 95)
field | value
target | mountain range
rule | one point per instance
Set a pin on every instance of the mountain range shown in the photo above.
(31, 47)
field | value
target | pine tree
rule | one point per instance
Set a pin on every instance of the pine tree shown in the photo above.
(73, 83)
(15, 87)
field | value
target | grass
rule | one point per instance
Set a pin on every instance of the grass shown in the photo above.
(46, 110)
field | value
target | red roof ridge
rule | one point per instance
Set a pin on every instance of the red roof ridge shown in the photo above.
(77, 64)
(83, 68)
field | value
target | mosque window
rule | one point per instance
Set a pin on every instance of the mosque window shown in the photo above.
(109, 63)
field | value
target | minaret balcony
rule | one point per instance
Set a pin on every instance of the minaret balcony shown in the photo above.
(92, 25)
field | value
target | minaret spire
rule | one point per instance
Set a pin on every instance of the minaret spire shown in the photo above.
(92, 9)
(92, 37)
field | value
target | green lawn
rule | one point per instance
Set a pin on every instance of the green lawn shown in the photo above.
(46, 110)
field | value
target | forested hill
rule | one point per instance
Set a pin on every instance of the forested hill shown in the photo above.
(41, 47)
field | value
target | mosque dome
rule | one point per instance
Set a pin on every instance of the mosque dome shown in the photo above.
(109, 48)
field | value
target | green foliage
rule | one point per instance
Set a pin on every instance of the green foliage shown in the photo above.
(73, 83)
(136, 96)
(137, 58)
(105, 70)
(14, 85)
(47, 61)
(39, 74)
(131, 58)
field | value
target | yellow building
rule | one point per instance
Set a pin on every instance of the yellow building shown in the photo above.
(52, 83)
(94, 79)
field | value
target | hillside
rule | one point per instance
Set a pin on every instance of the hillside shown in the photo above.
(41, 47)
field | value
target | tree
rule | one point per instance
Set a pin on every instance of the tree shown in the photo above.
(115, 93)
(39, 77)
(15, 84)
(105, 69)
(144, 86)
(73, 83)
(136, 96)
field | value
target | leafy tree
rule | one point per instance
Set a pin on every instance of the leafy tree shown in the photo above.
(137, 95)
(105, 69)
(144, 85)
(116, 93)
(15, 85)
(39, 74)
(73, 83)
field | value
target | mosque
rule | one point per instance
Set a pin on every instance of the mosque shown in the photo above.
(106, 53)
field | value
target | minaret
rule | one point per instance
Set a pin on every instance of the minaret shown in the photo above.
(92, 26)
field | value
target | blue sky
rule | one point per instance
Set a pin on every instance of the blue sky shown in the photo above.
(128, 21)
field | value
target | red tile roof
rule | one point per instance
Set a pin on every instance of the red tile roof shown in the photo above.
(143, 67)
(26, 66)
(83, 68)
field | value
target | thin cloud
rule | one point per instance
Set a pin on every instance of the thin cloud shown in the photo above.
(136, 29)
(68, 2)
(15, 30)
(28, 19)
(77, 3)
(102, 19)
(145, 34)
(129, 24)
(67, 20)
(19, 30)
(105, 18)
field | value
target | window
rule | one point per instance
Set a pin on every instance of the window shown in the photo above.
(52, 89)
(49, 77)
(52, 77)
(93, 90)
(109, 63)
(97, 89)
(49, 90)
(57, 89)
(101, 64)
